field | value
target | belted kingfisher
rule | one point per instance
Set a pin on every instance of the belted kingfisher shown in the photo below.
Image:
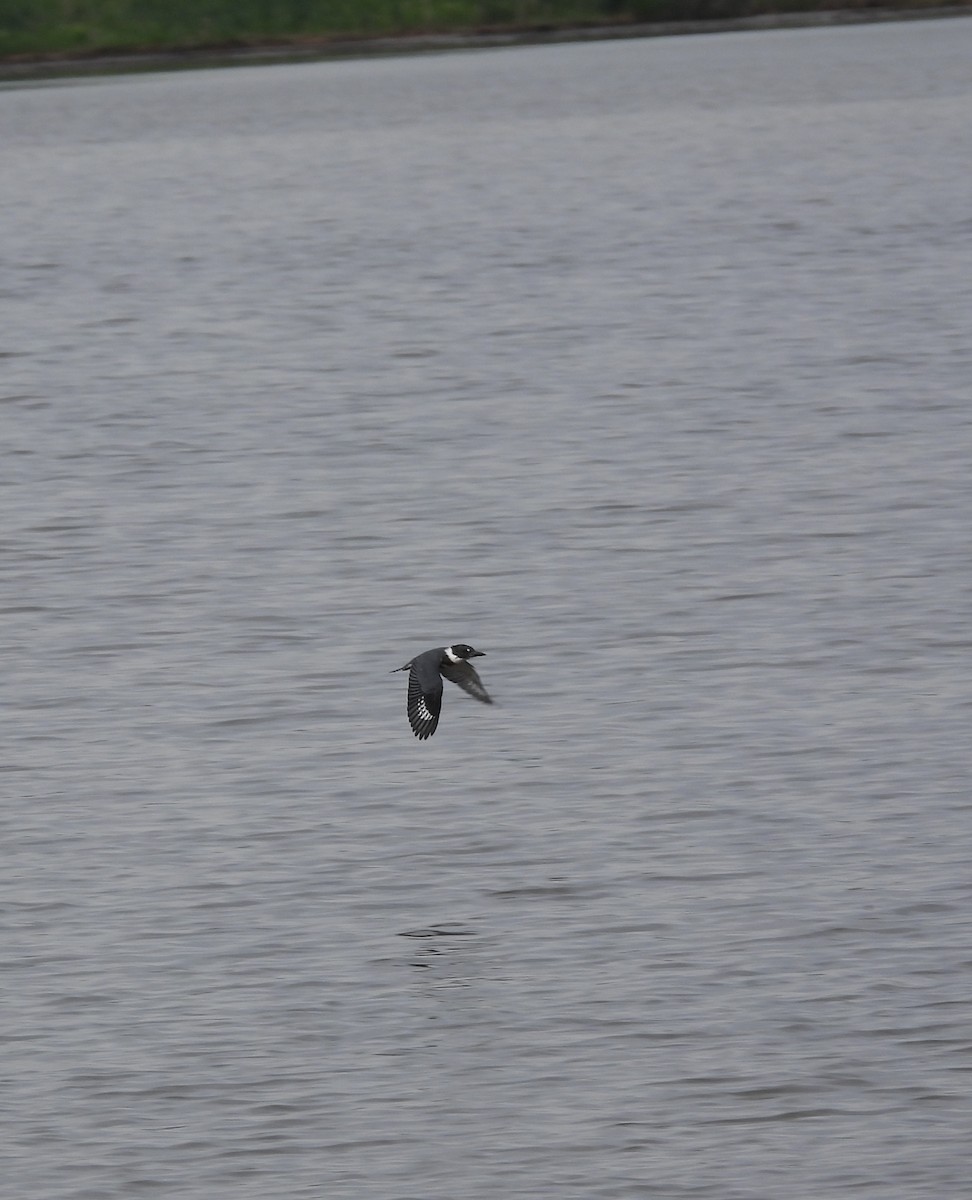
(425, 674)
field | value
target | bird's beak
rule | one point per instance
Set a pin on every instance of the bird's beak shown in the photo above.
(478, 654)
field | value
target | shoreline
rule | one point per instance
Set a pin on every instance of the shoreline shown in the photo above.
(68, 64)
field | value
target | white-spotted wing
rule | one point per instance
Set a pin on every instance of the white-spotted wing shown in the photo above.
(423, 705)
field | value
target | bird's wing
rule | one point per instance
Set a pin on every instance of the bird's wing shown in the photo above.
(424, 704)
(466, 677)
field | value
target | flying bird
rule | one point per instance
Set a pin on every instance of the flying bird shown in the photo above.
(425, 674)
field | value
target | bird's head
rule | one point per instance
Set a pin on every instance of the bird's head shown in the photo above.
(461, 650)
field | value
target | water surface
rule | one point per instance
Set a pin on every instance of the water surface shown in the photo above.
(643, 366)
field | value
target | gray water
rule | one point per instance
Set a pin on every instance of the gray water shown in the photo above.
(645, 367)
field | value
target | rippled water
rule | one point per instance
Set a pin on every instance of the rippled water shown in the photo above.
(644, 366)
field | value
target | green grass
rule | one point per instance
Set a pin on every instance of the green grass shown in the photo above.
(38, 27)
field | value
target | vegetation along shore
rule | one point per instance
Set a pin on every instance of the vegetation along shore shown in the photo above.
(73, 31)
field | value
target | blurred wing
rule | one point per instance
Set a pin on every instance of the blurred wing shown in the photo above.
(424, 705)
(466, 677)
